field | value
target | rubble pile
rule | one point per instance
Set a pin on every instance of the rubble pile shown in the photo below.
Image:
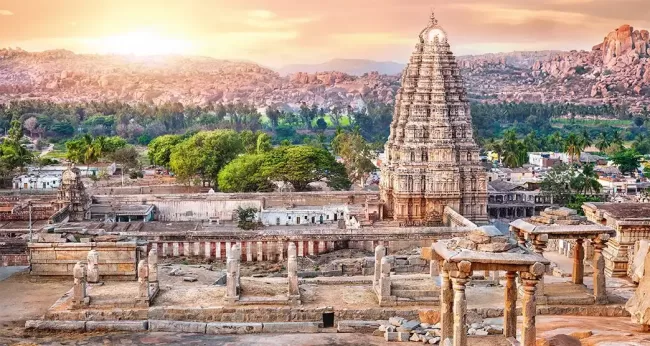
(403, 330)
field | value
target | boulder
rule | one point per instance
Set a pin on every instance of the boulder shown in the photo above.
(559, 340)
(429, 316)
(639, 305)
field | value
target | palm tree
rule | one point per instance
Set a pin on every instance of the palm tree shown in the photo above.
(602, 142)
(586, 139)
(555, 141)
(590, 183)
(573, 147)
(617, 140)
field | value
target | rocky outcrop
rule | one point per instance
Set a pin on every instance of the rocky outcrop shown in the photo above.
(639, 305)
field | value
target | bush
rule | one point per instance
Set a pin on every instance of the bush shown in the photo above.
(247, 218)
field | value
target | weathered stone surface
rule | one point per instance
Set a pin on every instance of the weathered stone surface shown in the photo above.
(290, 327)
(233, 328)
(408, 326)
(581, 334)
(357, 326)
(69, 326)
(429, 316)
(559, 340)
(396, 321)
(129, 326)
(177, 326)
(639, 305)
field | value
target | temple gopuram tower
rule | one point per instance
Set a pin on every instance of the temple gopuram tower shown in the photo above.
(432, 159)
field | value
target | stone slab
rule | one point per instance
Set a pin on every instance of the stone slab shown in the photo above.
(357, 326)
(233, 328)
(290, 327)
(69, 326)
(128, 326)
(177, 326)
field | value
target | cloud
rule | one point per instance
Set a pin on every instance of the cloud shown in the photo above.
(265, 19)
(6, 13)
(373, 38)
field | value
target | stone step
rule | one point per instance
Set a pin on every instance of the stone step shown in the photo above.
(414, 293)
(263, 301)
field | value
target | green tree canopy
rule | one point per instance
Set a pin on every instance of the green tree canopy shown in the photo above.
(243, 174)
(160, 149)
(205, 154)
(627, 160)
(356, 154)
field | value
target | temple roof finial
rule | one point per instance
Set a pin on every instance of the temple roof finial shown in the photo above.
(433, 19)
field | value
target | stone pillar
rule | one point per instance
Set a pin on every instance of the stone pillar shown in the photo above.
(600, 293)
(529, 310)
(152, 260)
(93, 268)
(260, 251)
(446, 305)
(232, 275)
(578, 264)
(79, 297)
(384, 289)
(292, 270)
(495, 277)
(510, 310)
(540, 242)
(460, 309)
(380, 251)
(143, 283)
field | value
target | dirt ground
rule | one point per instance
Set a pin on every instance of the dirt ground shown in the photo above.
(22, 299)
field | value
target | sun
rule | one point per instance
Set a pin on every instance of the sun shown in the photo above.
(143, 43)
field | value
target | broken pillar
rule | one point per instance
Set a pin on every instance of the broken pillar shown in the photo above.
(92, 272)
(143, 284)
(384, 287)
(79, 296)
(232, 275)
(380, 252)
(292, 272)
(152, 261)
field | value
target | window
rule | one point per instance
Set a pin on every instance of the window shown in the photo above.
(277, 221)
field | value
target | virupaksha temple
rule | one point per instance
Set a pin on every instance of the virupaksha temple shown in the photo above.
(415, 261)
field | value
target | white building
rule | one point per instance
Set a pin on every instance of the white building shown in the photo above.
(37, 181)
(305, 215)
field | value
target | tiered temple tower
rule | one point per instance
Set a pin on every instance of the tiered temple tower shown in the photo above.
(72, 194)
(432, 160)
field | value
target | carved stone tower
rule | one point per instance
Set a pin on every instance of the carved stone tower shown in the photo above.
(72, 194)
(432, 158)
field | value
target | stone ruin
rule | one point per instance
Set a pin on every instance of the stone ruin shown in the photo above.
(639, 305)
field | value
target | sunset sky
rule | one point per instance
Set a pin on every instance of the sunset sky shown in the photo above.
(279, 32)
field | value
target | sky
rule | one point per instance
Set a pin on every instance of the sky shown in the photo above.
(279, 32)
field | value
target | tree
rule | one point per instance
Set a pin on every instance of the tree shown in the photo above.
(205, 154)
(585, 139)
(301, 165)
(573, 146)
(557, 183)
(128, 157)
(603, 142)
(31, 124)
(161, 148)
(586, 182)
(514, 151)
(264, 143)
(627, 160)
(243, 174)
(356, 155)
(247, 218)
(12, 154)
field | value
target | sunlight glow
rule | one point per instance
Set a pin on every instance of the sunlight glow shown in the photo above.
(143, 43)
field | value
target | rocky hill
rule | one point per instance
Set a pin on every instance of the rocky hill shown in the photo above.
(355, 67)
(64, 76)
(616, 70)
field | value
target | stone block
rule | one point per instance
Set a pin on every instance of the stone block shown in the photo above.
(290, 327)
(396, 321)
(403, 336)
(68, 326)
(357, 326)
(233, 328)
(127, 326)
(408, 326)
(391, 336)
(177, 326)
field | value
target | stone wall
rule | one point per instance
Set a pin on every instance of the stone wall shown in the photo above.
(12, 252)
(197, 207)
(117, 261)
